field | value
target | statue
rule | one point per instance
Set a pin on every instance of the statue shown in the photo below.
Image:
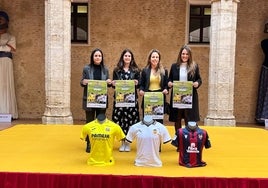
(8, 104)
(262, 102)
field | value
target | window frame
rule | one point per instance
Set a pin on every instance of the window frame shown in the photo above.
(76, 3)
(197, 3)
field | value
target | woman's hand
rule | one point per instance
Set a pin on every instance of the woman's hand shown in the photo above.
(141, 92)
(195, 84)
(113, 83)
(85, 81)
(109, 81)
(3, 41)
(136, 82)
(170, 84)
(165, 91)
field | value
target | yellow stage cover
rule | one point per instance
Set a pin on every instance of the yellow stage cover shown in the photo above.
(235, 152)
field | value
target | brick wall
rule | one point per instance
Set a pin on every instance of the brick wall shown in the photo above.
(138, 25)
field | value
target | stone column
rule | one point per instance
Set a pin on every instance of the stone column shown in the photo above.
(57, 62)
(222, 63)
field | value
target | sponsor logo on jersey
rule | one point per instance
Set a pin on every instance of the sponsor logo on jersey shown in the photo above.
(192, 148)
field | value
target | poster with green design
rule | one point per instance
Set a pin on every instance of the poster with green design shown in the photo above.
(125, 93)
(96, 94)
(182, 94)
(154, 104)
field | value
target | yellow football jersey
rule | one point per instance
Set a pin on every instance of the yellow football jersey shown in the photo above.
(102, 137)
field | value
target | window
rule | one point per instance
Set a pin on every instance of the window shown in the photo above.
(199, 24)
(79, 23)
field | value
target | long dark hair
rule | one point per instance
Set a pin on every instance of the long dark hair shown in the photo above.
(133, 65)
(91, 63)
(191, 65)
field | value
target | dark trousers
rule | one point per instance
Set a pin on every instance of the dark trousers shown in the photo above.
(182, 114)
(93, 113)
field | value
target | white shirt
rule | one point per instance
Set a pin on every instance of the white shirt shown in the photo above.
(148, 142)
(183, 72)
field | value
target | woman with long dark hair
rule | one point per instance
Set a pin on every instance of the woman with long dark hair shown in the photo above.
(185, 69)
(126, 69)
(95, 70)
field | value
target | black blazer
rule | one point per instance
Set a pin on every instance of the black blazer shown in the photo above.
(193, 114)
(264, 45)
(88, 74)
(145, 80)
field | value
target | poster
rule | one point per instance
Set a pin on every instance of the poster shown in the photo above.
(97, 94)
(154, 104)
(125, 93)
(182, 94)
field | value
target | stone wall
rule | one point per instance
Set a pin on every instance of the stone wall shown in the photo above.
(140, 26)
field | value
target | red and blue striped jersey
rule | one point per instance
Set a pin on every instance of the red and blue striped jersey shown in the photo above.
(190, 144)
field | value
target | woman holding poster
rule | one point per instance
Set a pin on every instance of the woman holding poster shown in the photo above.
(154, 79)
(95, 70)
(126, 77)
(184, 70)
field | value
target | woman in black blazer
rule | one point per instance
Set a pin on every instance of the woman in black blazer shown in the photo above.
(153, 77)
(185, 69)
(95, 70)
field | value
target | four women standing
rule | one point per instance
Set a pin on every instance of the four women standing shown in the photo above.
(153, 78)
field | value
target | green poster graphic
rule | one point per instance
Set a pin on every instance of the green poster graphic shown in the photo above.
(125, 93)
(97, 94)
(154, 104)
(182, 94)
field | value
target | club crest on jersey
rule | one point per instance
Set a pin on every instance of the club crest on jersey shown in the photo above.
(155, 131)
(200, 136)
(107, 129)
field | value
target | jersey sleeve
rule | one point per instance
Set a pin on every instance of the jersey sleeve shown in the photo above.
(120, 133)
(175, 139)
(131, 134)
(165, 135)
(207, 142)
(84, 132)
